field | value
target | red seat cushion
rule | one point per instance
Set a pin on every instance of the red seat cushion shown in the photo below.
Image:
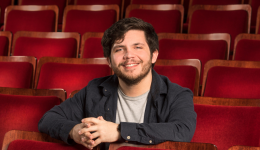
(69, 77)
(40, 47)
(93, 48)
(16, 74)
(4, 43)
(204, 50)
(207, 21)
(89, 21)
(232, 82)
(183, 75)
(23, 112)
(248, 50)
(42, 21)
(226, 126)
(60, 3)
(162, 21)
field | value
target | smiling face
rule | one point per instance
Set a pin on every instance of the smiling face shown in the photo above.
(131, 58)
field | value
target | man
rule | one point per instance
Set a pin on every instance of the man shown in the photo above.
(135, 105)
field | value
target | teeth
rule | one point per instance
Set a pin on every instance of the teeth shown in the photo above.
(131, 65)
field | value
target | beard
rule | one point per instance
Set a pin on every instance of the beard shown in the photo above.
(131, 79)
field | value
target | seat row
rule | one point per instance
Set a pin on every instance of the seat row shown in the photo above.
(221, 78)
(220, 121)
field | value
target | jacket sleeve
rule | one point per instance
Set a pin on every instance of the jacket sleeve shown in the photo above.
(179, 124)
(58, 121)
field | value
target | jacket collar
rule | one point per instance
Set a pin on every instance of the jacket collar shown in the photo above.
(158, 86)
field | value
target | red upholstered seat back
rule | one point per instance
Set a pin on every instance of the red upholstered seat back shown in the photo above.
(163, 21)
(39, 145)
(254, 4)
(204, 50)
(248, 50)
(69, 77)
(4, 43)
(226, 126)
(42, 21)
(82, 21)
(3, 5)
(16, 74)
(23, 112)
(210, 21)
(215, 2)
(233, 82)
(155, 2)
(183, 75)
(60, 3)
(138, 148)
(93, 48)
(40, 47)
(99, 2)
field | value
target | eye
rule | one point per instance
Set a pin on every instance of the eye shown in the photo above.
(119, 49)
(138, 47)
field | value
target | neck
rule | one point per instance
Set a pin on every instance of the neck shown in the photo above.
(137, 89)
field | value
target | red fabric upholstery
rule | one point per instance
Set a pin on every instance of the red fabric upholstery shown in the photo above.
(138, 148)
(226, 126)
(232, 22)
(70, 77)
(162, 21)
(215, 2)
(248, 50)
(60, 3)
(42, 21)
(99, 2)
(16, 74)
(4, 43)
(3, 5)
(93, 48)
(89, 21)
(39, 145)
(254, 4)
(23, 112)
(39, 47)
(204, 50)
(156, 2)
(182, 75)
(232, 82)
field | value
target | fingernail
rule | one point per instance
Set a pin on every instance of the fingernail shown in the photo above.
(79, 132)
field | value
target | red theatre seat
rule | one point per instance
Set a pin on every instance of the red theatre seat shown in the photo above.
(40, 44)
(255, 5)
(3, 5)
(164, 18)
(244, 148)
(69, 74)
(60, 3)
(247, 47)
(31, 18)
(185, 72)
(21, 109)
(227, 122)
(257, 31)
(156, 2)
(89, 18)
(5, 42)
(231, 79)
(91, 45)
(232, 19)
(194, 46)
(17, 71)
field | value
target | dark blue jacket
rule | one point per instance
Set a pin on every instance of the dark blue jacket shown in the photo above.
(169, 113)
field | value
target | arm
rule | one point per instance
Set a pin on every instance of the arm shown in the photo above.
(59, 121)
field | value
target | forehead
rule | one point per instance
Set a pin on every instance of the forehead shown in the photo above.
(131, 37)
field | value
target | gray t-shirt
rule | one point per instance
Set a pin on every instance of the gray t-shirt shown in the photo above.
(130, 109)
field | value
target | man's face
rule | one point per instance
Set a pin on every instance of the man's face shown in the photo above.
(131, 59)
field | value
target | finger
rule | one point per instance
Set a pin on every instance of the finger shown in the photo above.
(87, 146)
(95, 135)
(90, 129)
(101, 118)
(96, 142)
(90, 120)
(90, 142)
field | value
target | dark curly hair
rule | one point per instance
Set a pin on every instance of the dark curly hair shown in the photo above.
(117, 32)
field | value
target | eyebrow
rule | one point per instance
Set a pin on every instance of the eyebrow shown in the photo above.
(119, 46)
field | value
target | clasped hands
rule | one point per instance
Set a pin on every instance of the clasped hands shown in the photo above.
(93, 131)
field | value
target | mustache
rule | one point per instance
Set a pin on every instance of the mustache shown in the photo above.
(129, 61)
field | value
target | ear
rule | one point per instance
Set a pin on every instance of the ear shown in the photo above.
(109, 62)
(155, 55)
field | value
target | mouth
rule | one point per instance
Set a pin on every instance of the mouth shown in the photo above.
(130, 65)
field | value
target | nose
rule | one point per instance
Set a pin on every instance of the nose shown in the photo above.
(129, 54)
